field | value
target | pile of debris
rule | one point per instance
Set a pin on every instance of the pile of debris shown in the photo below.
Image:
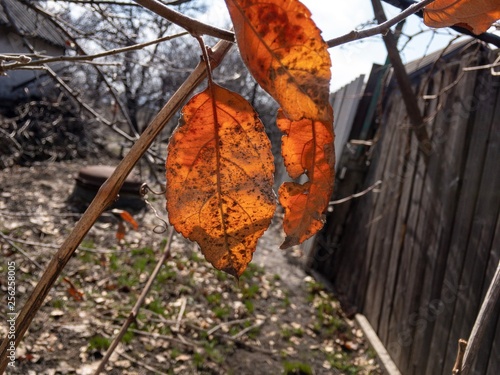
(43, 131)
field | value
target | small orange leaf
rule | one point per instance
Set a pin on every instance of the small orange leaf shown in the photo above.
(120, 231)
(126, 216)
(475, 15)
(123, 217)
(73, 291)
(219, 178)
(307, 148)
(283, 49)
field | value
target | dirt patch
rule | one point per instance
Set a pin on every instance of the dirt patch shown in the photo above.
(195, 320)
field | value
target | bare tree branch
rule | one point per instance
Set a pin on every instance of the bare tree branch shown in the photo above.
(77, 58)
(409, 97)
(382, 28)
(193, 26)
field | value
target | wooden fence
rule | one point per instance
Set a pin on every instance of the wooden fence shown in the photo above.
(416, 257)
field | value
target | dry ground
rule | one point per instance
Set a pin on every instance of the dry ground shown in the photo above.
(195, 320)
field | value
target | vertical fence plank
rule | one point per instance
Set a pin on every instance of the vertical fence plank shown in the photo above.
(384, 215)
(449, 137)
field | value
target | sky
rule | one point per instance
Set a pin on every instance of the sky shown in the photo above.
(335, 18)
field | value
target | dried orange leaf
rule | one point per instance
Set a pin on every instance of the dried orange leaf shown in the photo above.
(219, 178)
(307, 148)
(120, 231)
(284, 51)
(475, 15)
(126, 216)
(73, 291)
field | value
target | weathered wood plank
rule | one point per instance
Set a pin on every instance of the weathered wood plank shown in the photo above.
(444, 341)
(375, 223)
(396, 265)
(406, 321)
(494, 353)
(385, 214)
(448, 140)
(402, 319)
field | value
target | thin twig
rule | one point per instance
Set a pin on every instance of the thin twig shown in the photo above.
(457, 368)
(225, 324)
(491, 66)
(21, 251)
(177, 326)
(237, 341)
(52, 246)
(380, 29)
(155, 335)
(142, 364)
(243, 331)
(357, 195)
(135, 310)
(86, 58)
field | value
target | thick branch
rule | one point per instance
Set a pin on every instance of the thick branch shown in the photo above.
(104, 198)
(193, 26)
(382, 28)
(409, 97)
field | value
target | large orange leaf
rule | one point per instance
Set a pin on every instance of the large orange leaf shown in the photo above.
(307, 148)
(283, 49)
(475, 15)
(219, 178)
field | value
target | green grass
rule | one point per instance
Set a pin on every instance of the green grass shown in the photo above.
(114, 264)
(99, 343)
(249, 306)
(288, 332)
(214, 299)
(222, 312)
(156, 306)
(296, 368)
(166, 273)
(341, 361)
(57, 304)
(143, 251)
(250, 292)
(128, 337)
